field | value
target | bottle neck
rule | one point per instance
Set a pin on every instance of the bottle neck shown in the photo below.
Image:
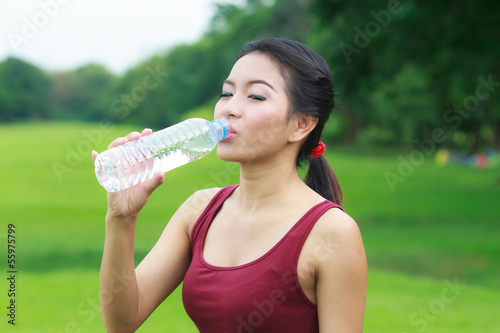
(219, 129)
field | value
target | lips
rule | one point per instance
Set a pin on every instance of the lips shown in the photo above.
(231, 135)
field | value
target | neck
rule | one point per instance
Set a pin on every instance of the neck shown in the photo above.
(263, 187)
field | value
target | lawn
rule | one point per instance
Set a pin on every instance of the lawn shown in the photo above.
(432, 240)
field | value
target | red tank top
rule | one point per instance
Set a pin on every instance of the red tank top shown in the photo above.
(263, 295)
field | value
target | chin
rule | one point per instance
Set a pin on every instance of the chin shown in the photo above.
(227, 157)
(232, 155)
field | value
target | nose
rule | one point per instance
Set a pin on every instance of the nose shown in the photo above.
(230, 108)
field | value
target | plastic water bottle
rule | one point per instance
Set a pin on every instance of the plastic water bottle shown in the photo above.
(123, 166)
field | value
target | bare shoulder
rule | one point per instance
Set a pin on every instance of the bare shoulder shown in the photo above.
(194, 206)
(339, 238)
(337, 226)
(200, 199)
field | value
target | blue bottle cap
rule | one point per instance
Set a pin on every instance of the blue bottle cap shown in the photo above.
(219, 129)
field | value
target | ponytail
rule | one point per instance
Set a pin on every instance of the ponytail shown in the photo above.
(321, 178)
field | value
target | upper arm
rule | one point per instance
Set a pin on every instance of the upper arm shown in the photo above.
(341, 276)
(163, 269)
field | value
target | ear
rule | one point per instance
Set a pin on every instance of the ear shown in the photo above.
(303, 125)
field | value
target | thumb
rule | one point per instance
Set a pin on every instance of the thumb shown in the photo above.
(153, 183)
(94, 155)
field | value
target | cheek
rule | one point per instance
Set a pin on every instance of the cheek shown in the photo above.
(269, 129)
(217, 111)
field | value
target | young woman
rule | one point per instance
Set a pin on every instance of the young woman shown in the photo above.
(272, 254)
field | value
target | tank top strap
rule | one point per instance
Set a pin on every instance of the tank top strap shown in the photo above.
(307, 222)
(201, 226)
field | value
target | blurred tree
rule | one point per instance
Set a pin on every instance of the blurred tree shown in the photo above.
(24, 91)
(62, 94)
(136, 98)
(82, 94)
(401, 69)
(400, 66)
(403, 104)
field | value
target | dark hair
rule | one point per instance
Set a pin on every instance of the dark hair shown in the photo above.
(310, 90)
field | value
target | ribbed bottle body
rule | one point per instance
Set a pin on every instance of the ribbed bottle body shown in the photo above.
(123, 166)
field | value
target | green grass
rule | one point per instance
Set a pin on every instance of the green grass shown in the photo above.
(438, 226)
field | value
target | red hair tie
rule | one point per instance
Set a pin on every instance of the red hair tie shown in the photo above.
(318, 150)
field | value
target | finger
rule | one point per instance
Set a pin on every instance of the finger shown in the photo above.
(117, 142)
(152, 184)
(133, 136)
(146, 131)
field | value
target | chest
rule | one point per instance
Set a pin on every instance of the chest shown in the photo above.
(267, 241)
(246, 299)
(230, 288)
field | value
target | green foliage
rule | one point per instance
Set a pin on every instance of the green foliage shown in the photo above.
(402, 105)
(24, 91)
(409, 60)
(142, 95)
(203, 112)
(401, 69)
(83, 93)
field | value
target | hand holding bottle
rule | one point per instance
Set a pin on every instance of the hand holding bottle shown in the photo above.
(130, 201)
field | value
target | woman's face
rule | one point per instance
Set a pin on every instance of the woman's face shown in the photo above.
(255, 102)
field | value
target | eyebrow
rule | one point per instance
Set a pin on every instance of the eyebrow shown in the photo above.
(231, 83)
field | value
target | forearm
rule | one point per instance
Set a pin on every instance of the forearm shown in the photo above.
(118, 289)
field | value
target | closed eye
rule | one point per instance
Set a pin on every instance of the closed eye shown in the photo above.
(226, 94)
(257, 97)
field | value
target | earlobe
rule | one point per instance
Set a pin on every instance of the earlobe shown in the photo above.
(303, 126)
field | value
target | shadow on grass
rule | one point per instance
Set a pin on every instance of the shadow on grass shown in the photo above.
(53, 261)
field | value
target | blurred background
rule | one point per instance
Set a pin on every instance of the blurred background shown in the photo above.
(414, 141)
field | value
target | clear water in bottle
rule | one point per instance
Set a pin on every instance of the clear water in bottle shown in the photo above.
(123, 166)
